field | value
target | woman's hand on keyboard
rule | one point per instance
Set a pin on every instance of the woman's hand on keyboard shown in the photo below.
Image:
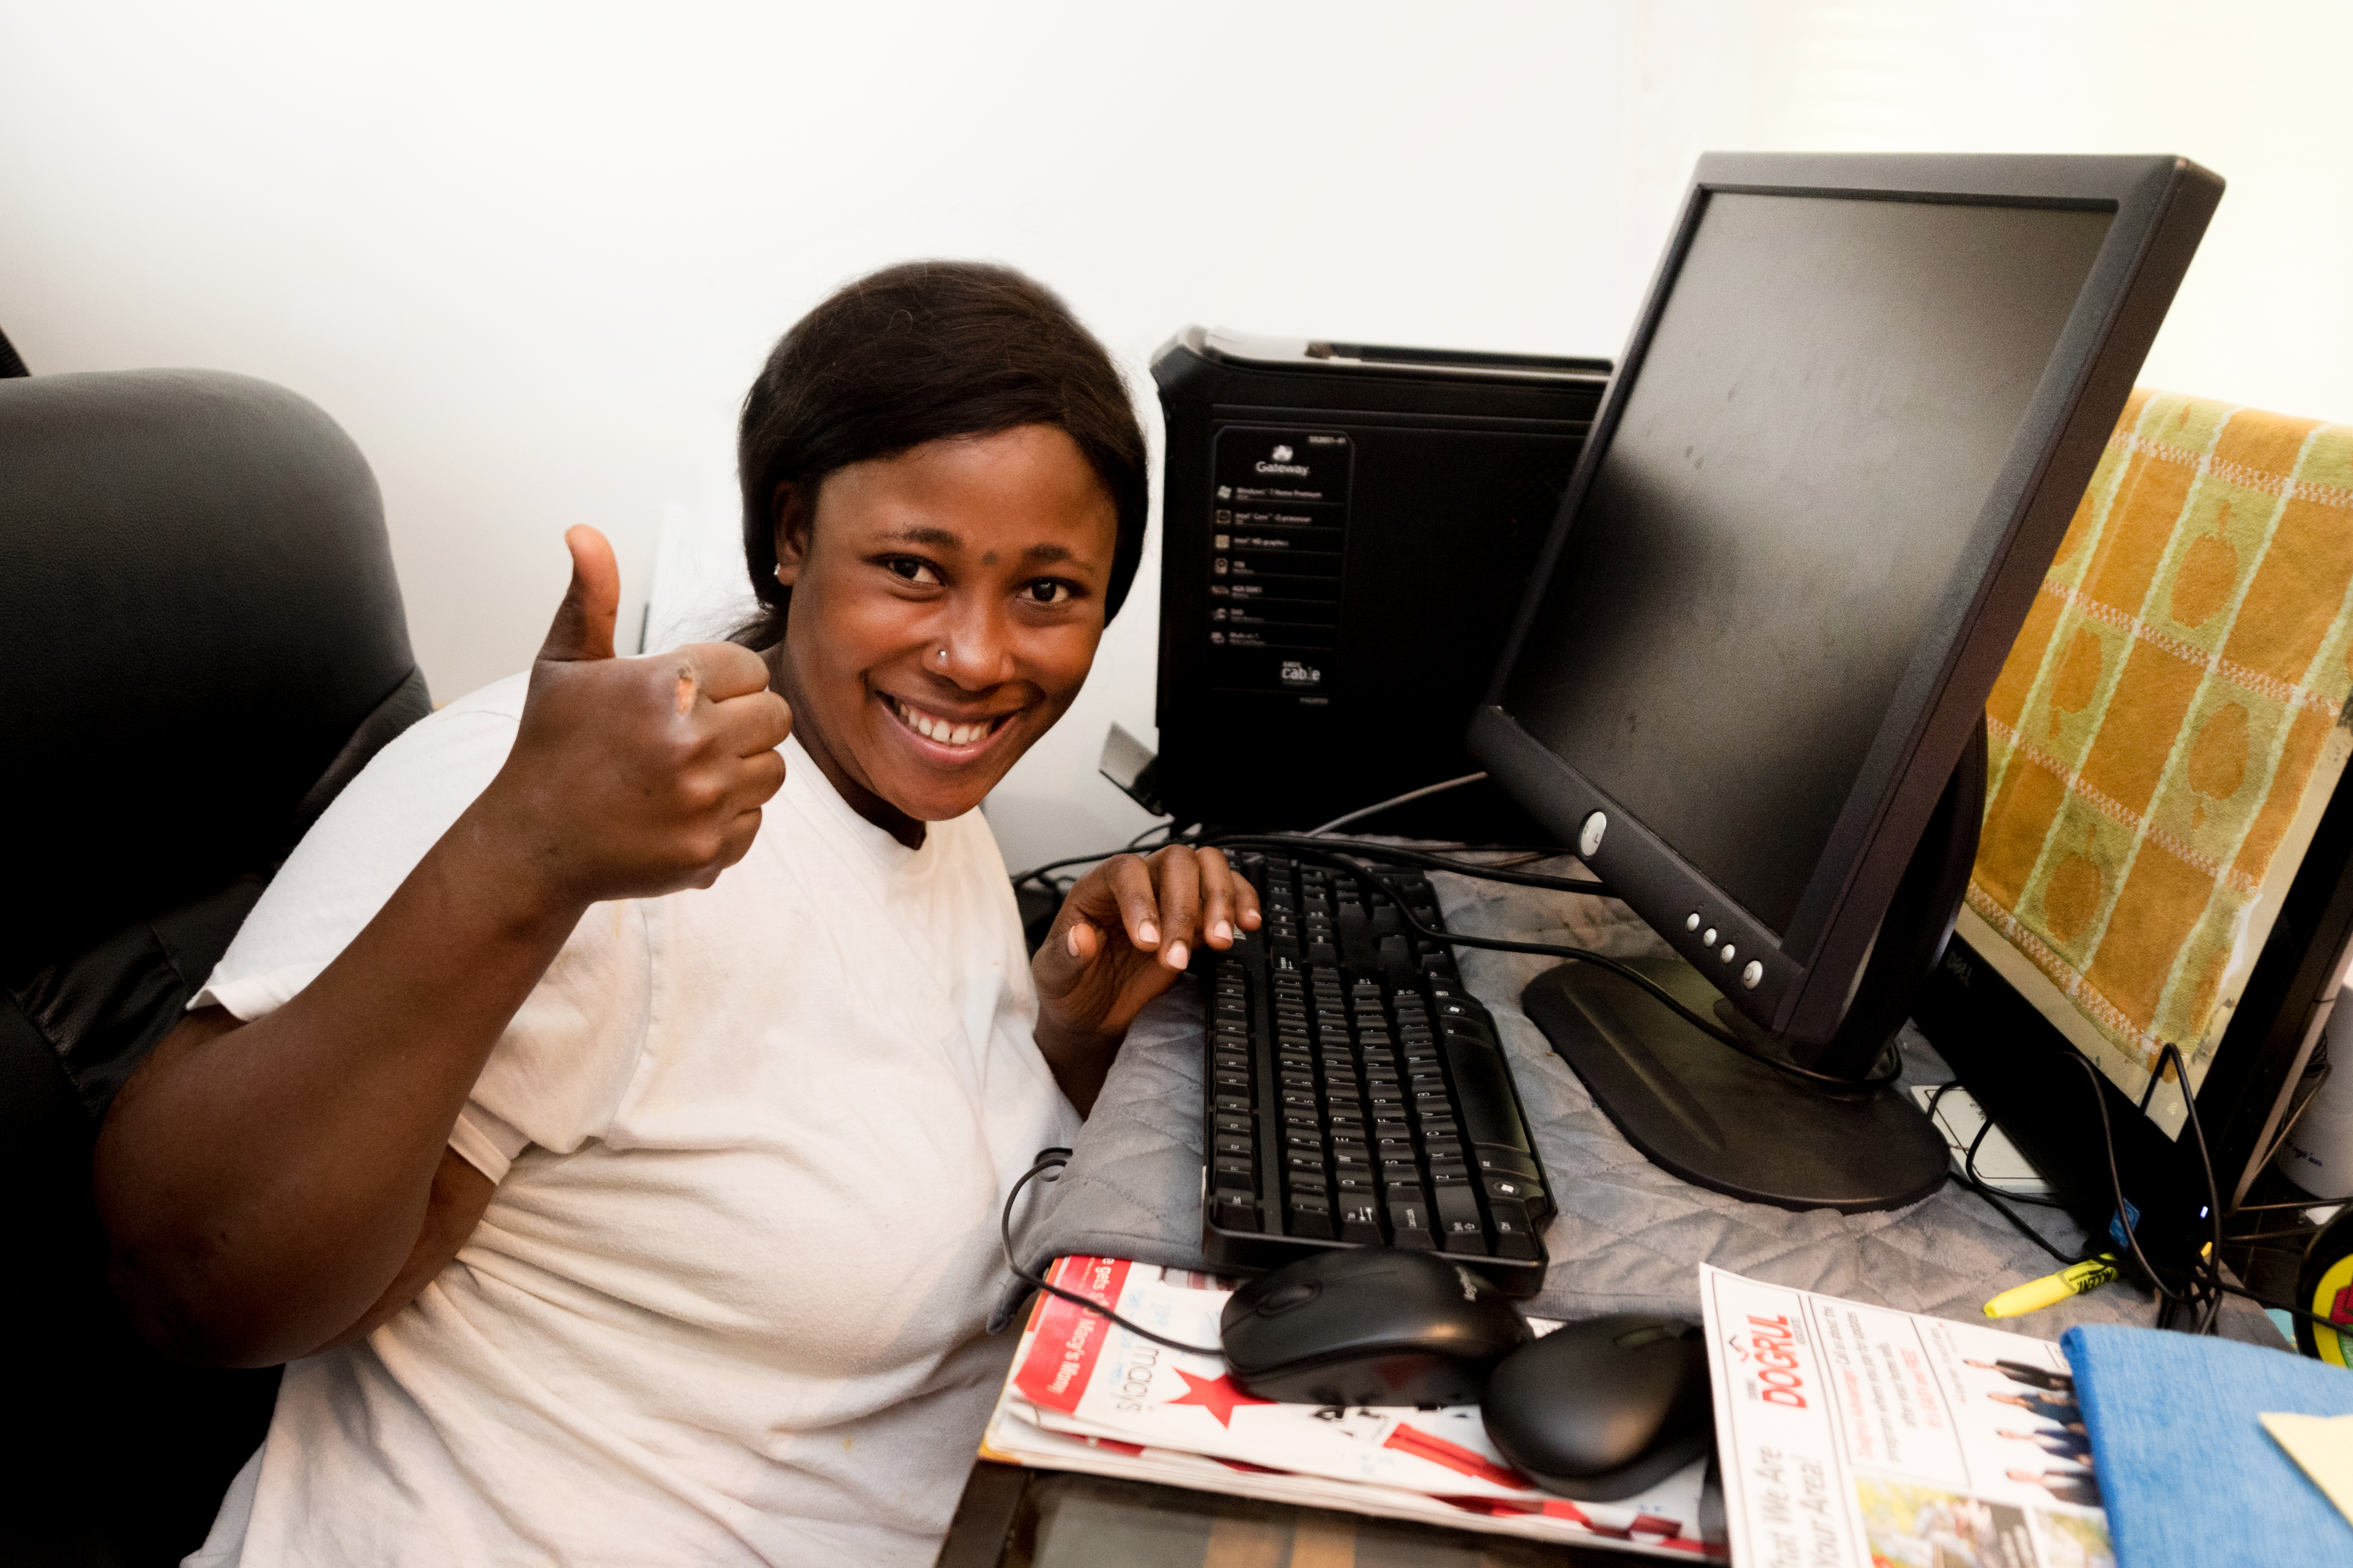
(1123, 935)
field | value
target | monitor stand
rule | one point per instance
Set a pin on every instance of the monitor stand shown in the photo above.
(1717, 1119)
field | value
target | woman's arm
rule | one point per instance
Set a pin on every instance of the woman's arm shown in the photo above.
(271, 1187)
(1123, 937)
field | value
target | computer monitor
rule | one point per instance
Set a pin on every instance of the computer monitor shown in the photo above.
(1748, 681)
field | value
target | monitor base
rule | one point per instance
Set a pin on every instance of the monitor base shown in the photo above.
(1718, 1120)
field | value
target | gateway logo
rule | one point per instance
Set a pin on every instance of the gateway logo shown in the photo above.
(1282, 463)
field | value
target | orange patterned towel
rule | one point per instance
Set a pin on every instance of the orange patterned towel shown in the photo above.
(2169, 727)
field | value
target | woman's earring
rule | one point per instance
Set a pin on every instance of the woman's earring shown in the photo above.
(780, 571)
(944, 655)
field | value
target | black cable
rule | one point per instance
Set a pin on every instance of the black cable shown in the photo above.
(1317, 850)
(2203, 1284)
(2116, 1182)
(1401, 855)
(1053, 1160)
(1975, 1183)
(1970, 1178)
(2213, 1194)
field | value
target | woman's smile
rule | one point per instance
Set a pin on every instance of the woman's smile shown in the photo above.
(944, 738)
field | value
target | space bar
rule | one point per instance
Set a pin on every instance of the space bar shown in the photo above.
(1482, 1089)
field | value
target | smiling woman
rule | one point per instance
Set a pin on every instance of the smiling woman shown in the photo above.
(609, 1106)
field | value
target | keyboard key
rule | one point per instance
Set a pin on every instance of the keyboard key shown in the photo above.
(1513, 1239)
(1310, 1218)
(1458, 1220)
(1300, 1138)
(1409, 1226)
(1521, 1204)
(1233, 1212)
(1361, 1223)
(1484, 1084)
(1240, 1148)
(1508, 1162)
(1232, 1175)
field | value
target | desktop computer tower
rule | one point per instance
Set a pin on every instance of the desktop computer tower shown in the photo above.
(1346, 532)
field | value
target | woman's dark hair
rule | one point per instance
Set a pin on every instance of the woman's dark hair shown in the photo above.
(918, 353)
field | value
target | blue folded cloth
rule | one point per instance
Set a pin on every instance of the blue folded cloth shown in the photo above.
(2190, 1478)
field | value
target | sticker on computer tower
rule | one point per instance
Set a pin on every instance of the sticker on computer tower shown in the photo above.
(1278, 526)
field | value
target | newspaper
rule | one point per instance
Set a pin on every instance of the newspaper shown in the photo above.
(1086, 1395)
(1855, 1437)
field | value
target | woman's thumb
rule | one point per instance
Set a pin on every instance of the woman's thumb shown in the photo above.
(1064, 958)
(584, 622)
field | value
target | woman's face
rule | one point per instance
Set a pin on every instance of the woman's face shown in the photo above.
(946, 604)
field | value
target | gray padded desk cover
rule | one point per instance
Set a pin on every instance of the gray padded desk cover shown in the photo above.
(1628, 1235)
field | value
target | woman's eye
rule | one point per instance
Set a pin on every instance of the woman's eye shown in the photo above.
(1046, 591)
(913, 569)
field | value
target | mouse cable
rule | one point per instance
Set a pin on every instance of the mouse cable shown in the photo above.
(1052, 1159)
(1310, 850)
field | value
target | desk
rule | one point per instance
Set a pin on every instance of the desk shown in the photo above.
(1628, 1235)
(1016, 1517)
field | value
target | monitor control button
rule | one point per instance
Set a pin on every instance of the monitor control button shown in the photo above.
(1691, 922)
(1588, 837)
(1708, 936)
(1752, 975)
(1728, 953)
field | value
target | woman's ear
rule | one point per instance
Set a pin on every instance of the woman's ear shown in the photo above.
(791, 512)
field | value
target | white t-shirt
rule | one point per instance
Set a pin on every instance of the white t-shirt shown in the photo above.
(750, 1143)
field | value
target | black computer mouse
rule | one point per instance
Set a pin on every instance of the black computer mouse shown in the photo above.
(1369, 1326)
(1602, 1409)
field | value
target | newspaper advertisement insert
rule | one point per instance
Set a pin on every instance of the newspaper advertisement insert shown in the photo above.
(1857, 1437)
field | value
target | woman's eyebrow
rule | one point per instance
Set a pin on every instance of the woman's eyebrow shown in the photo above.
(1048, 552)
(939, 538)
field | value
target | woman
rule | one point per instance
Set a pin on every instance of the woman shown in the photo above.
(607, 1108)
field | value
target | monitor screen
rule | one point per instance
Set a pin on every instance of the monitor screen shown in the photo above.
(1804, 454)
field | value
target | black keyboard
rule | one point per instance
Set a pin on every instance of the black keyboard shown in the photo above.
(1357, 1094)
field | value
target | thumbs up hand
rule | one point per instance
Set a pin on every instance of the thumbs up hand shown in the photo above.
(632, 777)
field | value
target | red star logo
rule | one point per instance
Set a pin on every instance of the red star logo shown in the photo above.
(1218, 1396)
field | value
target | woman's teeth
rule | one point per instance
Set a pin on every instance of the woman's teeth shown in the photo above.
(940, 730)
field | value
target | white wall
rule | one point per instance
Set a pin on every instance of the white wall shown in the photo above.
(531, 255)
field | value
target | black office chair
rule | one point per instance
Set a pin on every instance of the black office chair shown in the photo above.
(201, 643)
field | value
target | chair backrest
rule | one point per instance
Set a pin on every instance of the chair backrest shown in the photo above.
(201, 637)
(201, 642)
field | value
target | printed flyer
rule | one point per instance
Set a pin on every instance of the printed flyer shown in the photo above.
(1857, 1437)
(1085, 1394)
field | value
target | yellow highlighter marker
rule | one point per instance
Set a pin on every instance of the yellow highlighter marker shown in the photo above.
(2054, 1288)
